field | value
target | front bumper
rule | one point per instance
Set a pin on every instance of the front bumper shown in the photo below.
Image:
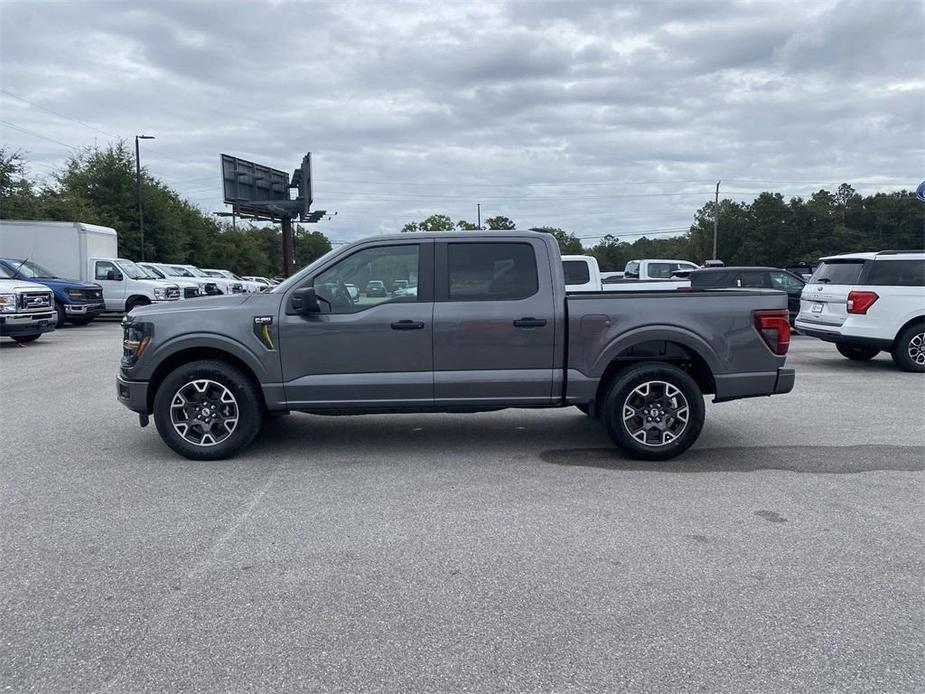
(132, 394)
(83, 309)
(27, 323)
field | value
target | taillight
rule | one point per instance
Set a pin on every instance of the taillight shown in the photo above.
(859, 302)
(773, 325)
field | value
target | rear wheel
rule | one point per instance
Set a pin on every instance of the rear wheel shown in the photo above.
(653, 411)
(207, 410)
(909, 348)
(857, 352)
(22, 339)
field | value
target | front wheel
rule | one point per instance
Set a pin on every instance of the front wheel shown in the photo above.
(60, 314)
(208, 410)
(654, 411)
(857, 352)
(909, 348)
(81, 320)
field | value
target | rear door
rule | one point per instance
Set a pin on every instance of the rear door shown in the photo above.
(825, 297)
(791, 284)
(494, 323)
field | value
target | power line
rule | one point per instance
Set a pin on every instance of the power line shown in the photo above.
(55, 113)
(34, 133)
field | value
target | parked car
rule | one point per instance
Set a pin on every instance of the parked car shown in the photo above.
(752, 278)
(651, 274)
(491, 327)
(87, 252)
(398, 285)
(225, 286)
(26, 308)
(265, 282)
(75, 301)
(249, 287)
(867, 303)
(582, 273)
(189, 288)
(376, 288)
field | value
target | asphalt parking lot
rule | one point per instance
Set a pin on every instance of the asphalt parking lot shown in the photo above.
(509, 551)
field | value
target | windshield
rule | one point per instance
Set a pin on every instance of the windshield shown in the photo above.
(180, 271)
(289, 281)
(632, 269)
(132, 270)
(30, 270)
(153, 272)
(213, 273)
(4, 273)
(838, 271)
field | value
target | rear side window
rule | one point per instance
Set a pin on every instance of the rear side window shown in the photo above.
(838, 272)
(661, 270)
(897, 273)
(491, 271)
(755, 280)
(576, 272)
(711, 279)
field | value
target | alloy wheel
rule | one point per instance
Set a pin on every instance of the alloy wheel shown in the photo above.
(204, 412)
(655, 413)
(916, 348)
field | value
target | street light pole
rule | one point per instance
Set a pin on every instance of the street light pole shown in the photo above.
(141, 217)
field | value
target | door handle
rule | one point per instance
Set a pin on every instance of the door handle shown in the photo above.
(529, 323)
(407, 325)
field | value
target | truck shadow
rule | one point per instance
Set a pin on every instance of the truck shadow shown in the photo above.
(832, 460)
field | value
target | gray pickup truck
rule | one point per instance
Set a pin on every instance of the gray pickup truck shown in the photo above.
(472, 322)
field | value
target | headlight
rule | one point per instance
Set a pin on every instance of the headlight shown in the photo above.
(135, 339)
(75, 294)
(160, 293)
(8, 303)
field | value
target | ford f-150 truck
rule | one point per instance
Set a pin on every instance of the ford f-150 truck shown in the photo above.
(484, 322)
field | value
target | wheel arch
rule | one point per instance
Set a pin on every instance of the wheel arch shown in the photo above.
(137, 300)
(187, 354)
(907, 324)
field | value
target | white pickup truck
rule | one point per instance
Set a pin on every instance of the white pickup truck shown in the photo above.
(649, 274)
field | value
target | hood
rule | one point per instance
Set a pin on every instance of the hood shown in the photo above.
(21, 285)
(59, 283)
(202, 303)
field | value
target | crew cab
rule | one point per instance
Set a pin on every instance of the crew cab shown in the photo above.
(489, 325)
(26, 309)
(75, 301)
(867, 303)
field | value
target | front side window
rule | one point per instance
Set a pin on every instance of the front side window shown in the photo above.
(103, 268)
(491, 271)
(897, 273)
(783, 281)
(369, 277)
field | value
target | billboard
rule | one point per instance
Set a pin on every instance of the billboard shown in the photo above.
(245, 182)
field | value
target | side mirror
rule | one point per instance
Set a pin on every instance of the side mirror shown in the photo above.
(304, 302)
(114, 275)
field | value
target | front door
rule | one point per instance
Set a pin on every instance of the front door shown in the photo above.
(494, 324)
(371, 345)
(108, 275)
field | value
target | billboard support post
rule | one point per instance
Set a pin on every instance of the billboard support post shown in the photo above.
(287, 246)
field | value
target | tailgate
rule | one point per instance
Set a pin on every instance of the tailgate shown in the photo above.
(826, 305)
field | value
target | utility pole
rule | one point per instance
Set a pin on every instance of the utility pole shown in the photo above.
(478, 207)
(715, 218)
(287, 246)
(141, 217)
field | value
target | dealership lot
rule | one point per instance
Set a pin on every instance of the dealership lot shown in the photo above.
(501, 551)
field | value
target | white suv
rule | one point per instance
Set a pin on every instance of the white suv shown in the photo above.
(869, 302)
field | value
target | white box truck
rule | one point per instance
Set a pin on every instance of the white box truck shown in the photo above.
(87, 252)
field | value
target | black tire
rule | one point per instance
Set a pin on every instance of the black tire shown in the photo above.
(22, 339)
(666, 383)
(909, 348)
(81, 320)
(857, 352)
(62, 316)
(246, 397)
(136, 301)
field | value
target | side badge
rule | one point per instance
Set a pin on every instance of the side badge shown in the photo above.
(262, 330)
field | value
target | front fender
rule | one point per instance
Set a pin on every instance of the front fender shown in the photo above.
(260, 364)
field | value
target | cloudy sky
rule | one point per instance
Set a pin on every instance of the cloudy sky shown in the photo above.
(598, 117)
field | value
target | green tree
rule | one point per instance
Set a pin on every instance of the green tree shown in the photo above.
(568, 243)
(18, 198)
(463, 225)
(436, 222)
(499, 223)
